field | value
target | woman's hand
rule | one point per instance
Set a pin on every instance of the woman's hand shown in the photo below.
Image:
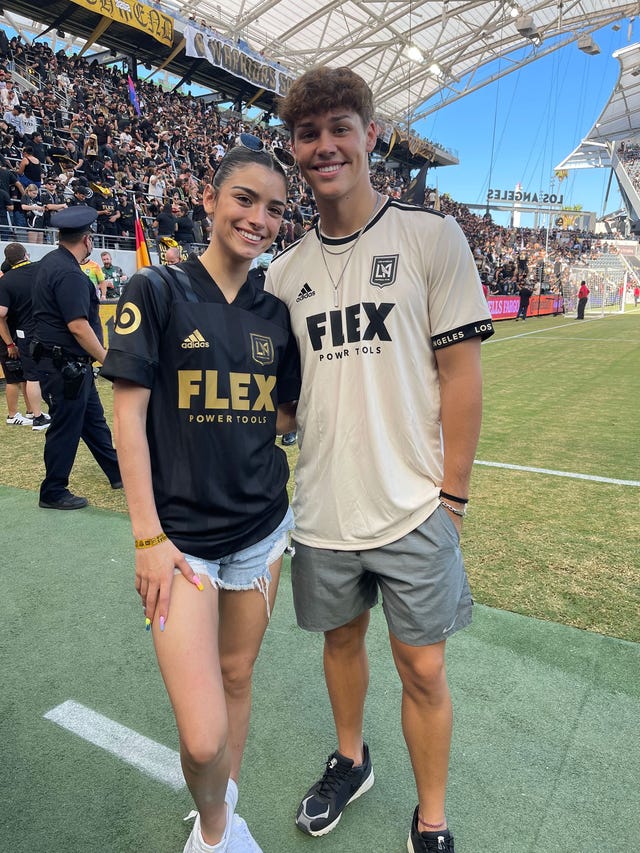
(155, 570)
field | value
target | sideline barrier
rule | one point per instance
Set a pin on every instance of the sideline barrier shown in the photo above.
(108, 319)
(506, 307)
(501, 308)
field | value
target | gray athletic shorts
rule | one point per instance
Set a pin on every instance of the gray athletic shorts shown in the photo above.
(424, 587)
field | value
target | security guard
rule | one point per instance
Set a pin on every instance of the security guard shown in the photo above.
(16, 320)
(67, 339)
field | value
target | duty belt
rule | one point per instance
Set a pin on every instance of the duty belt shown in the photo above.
(61, 353)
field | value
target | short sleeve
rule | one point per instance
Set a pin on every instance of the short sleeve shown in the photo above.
(141, 318)
(289, 373)
(457, 306)
(5, 297)
(73, 295)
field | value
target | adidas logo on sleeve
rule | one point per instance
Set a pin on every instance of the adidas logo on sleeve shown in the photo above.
(305, 292)
(194, 341)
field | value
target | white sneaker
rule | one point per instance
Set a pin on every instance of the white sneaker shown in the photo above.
(197, 844)
(241, 840)
(18, 420)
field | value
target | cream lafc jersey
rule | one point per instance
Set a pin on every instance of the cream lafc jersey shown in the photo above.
(217, 372)
(371, 457)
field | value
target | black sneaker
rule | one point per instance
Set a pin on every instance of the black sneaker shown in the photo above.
(66, 501)
(341, 784)
(428, 842)
(41, 422)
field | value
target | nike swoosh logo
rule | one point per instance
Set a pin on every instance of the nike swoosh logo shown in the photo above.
(312, 817)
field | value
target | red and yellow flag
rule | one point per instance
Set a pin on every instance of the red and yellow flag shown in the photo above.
(143, 258)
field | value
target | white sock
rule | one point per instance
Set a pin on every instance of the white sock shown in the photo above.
(213, 848)
(222, 844)
(231, 797)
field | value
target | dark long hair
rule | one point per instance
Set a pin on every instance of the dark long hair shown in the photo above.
(239, 157)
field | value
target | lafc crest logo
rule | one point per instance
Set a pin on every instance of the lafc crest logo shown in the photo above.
(262, 349)
(383, 270)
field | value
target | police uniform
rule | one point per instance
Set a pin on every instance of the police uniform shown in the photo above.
(217, 372)
(63, 293)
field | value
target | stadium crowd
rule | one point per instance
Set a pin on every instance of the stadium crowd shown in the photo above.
(70, 133)
(629, 154)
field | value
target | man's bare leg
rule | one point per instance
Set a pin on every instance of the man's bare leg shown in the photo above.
(427, 722)
(346, 670)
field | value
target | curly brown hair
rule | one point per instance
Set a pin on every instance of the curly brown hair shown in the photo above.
(321, 89)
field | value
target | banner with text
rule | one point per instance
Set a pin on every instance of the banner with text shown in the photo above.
(506, 307)
(134, 14)
(230, 57)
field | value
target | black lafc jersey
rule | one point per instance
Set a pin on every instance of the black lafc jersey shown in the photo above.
(217, 373)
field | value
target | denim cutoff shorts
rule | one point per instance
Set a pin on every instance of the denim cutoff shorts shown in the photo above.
(249, 567)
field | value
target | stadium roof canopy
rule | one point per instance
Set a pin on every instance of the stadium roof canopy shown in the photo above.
(620, 119)
(417, 56)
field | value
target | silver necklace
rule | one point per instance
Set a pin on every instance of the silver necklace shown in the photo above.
(350, 250)
(335, 254)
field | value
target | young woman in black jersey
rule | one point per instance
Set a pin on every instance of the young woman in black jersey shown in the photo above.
(204, 365)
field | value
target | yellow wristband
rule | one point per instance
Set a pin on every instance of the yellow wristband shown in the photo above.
(149, 543)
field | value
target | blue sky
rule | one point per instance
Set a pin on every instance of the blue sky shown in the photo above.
(540, 114)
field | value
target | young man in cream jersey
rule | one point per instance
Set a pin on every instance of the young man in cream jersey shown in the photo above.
(388, 312)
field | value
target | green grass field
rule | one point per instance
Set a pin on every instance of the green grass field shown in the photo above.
(560, 395)
(545, 745)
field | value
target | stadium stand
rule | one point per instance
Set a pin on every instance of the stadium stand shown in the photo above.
(69, 127)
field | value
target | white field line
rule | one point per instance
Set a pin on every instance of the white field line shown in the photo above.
(597, 340)
(152, 758)
(493, 340)
(553, 473)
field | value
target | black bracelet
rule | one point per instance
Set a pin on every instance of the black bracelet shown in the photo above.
(453, 498)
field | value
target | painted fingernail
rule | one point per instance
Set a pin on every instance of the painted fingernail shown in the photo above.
(196, 580)
(147, 624)
(162, 623)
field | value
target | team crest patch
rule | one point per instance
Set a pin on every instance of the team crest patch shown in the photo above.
(261, 349)
(383, 270)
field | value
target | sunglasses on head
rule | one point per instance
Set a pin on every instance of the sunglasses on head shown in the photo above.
(254, 143)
